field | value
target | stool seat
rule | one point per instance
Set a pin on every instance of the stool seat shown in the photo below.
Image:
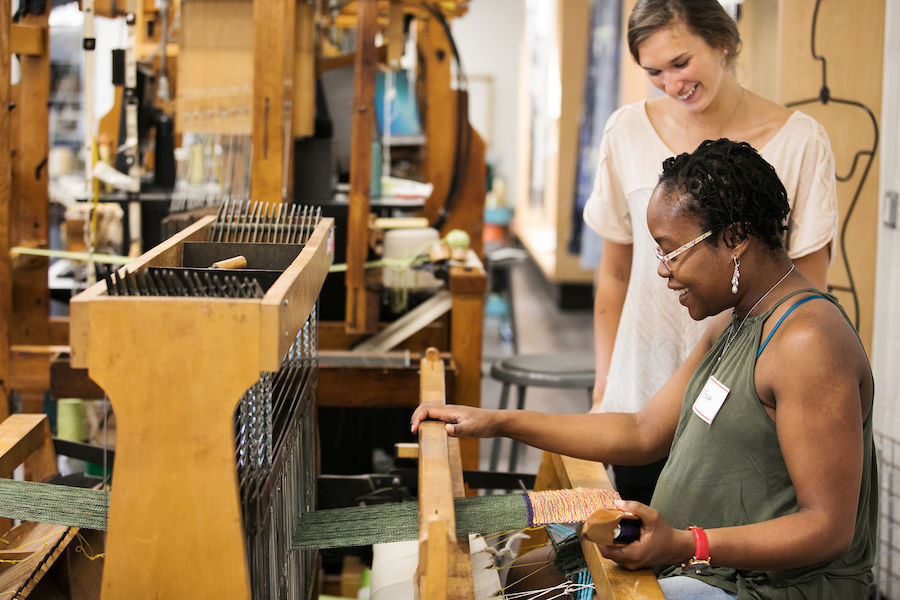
(573, 370)
(561, 370)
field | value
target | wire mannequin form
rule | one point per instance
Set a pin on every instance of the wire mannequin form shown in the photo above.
(825, 97)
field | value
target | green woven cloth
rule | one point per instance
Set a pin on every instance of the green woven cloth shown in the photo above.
(53, 504)
(399, 522)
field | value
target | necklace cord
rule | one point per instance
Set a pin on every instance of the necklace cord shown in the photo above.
(733, 336)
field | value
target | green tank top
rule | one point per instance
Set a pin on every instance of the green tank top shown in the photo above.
(732, 473)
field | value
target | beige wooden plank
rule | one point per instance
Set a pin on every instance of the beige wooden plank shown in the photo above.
(174, 377)
(435, 559)
(439, 554)
(435, 481)
(287, 304)
(21, 435)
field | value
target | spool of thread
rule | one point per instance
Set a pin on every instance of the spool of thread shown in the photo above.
(402, 244)
(71, 420)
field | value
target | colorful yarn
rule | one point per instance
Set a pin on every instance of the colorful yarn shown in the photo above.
(567, 506)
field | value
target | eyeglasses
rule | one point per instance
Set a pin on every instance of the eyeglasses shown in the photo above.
(667, 257)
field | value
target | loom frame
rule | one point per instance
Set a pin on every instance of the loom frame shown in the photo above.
(174, 370)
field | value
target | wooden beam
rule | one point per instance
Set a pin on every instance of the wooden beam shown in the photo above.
(28, 40)
(23, 436)
(435, 481)
(5, 208)
(362, 302)
(30, 367)
(29, 218)
(273, 63)
(68, 382)
(329, 63)
(304, 100)
(370, 385)
(394, 36)
(333, 336)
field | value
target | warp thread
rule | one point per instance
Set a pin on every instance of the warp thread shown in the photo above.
(397, 522)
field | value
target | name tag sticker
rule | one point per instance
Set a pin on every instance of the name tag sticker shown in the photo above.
(710, 400)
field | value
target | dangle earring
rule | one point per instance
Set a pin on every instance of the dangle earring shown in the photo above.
(736, 277)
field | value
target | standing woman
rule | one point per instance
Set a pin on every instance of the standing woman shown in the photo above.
(688, 49)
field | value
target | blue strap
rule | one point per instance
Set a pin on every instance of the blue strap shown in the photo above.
(783, 317)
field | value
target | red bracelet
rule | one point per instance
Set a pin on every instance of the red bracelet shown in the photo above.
(700, 562)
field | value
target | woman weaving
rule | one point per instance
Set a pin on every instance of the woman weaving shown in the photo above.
(767, 424)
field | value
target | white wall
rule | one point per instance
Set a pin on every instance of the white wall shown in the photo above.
(488, 38)
(886, 338)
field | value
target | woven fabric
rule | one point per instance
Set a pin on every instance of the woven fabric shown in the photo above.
(568, 506)
(53, 504)
(399, 522)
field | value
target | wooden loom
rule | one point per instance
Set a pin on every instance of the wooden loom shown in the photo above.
(444, 570)
(174, 369)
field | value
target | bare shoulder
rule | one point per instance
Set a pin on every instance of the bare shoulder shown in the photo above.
(816, 325)
(818, 348)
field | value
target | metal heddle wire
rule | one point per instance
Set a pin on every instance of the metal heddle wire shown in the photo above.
(264, 222)
(276, 447)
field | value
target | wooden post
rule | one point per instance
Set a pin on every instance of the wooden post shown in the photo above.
(395, 34)
(442, 112)
(445, 568)
(5, 207)
(304, 103)
(468, 285)
(362, 305)
(29, 219)
(273, 66)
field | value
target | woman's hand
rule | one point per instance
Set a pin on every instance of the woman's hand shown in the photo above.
(659, 544)
(461, 421)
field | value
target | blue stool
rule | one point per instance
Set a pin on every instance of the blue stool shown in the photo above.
(561, 370)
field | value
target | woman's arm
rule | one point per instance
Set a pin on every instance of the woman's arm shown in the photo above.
(612, 284)
(616, 438)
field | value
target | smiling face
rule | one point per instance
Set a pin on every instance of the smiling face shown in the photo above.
(701, 275)
(684, 66)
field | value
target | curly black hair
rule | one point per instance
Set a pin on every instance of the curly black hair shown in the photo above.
(728, 183)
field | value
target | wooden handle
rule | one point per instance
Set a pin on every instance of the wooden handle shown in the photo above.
(602, 527)
(235, 262)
